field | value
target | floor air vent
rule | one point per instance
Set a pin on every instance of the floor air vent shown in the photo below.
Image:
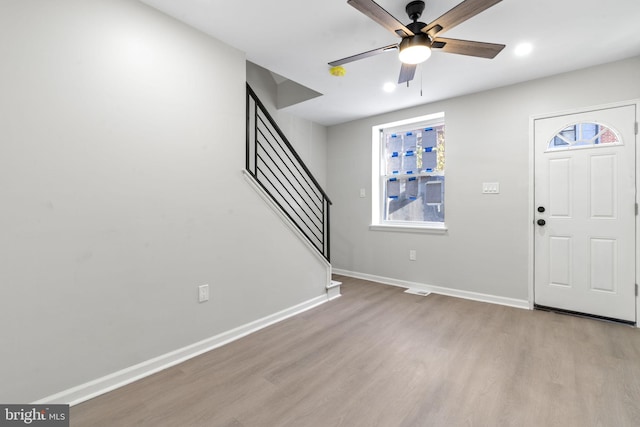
(417, 292)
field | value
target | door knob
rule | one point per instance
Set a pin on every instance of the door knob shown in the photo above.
(541, 222)
(541, 209)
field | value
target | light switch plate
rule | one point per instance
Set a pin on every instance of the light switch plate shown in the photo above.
(490, 187)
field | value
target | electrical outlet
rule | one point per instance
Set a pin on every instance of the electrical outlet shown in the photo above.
(203, 293)
(412, 255)
(363, 193)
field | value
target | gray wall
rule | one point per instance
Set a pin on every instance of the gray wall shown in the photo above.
(121, 149)
(487, 140)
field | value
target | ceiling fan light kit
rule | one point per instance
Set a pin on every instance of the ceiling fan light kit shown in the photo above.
(415, 49)
(419, 39)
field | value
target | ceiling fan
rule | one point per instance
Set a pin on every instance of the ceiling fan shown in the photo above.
(418, 38)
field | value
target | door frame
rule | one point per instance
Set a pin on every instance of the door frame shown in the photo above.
(531, 195)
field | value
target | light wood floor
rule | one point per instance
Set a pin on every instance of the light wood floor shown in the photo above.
(380, 357)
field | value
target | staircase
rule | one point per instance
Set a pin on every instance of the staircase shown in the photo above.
(276, 167)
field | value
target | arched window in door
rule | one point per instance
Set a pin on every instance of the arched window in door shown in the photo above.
(584, 135)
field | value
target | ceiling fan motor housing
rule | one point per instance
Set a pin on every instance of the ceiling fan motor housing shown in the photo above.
(416, 27)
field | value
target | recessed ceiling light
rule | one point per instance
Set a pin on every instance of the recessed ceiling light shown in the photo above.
(389, 87)
(523, 49)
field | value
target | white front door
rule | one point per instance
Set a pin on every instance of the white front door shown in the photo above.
(585, 212)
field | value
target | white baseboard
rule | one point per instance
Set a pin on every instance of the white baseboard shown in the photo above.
(475, 296)
(91, 389)
(333, 290)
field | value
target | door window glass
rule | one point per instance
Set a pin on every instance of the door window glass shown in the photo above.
(584, 135)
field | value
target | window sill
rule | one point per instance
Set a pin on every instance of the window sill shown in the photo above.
(406, 228)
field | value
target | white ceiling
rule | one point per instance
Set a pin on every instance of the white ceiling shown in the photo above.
(297, 38)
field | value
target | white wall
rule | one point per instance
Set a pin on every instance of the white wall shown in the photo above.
(487, 137)
(121, 149)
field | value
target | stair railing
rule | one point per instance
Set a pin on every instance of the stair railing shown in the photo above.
(282, 174)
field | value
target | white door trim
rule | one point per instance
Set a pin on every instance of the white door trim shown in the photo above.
(530, 215)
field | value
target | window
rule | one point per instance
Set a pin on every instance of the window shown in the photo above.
(582, 135)
(408, 167)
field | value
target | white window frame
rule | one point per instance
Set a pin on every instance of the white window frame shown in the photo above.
(377, 209)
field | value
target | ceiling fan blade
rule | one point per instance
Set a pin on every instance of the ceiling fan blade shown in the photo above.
(363, 55)
(465, 10)
(466, 47)
(374, 11)
(407, 72)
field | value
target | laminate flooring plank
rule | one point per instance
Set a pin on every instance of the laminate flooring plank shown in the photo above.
(380, 357)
